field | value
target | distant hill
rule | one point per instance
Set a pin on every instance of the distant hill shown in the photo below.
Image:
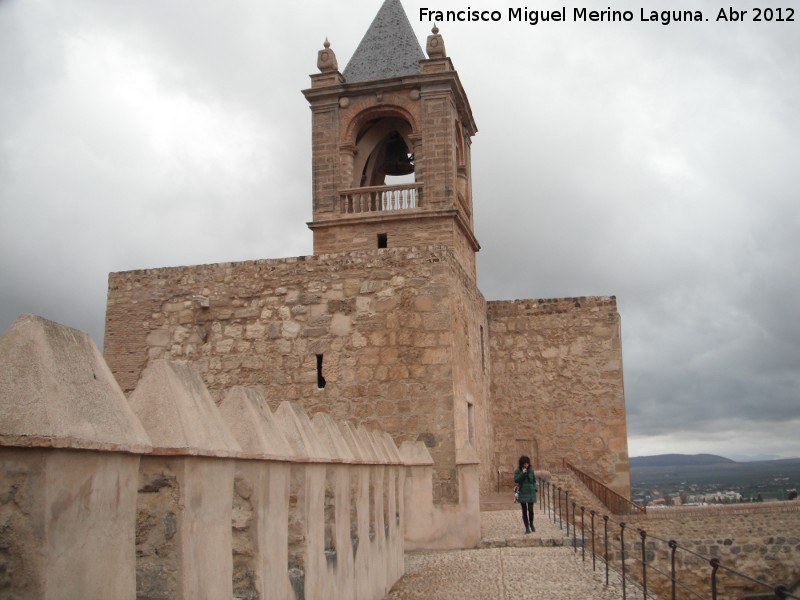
(678, 471)
(678, 460)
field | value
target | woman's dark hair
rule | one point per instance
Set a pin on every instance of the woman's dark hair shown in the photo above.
(522, 460)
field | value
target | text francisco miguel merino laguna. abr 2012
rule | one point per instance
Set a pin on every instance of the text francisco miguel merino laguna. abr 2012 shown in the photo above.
(582, 14)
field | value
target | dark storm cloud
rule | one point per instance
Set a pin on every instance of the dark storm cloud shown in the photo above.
(656, 163)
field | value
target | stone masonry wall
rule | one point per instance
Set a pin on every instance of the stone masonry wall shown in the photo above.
(381, 321)
(557, 386)
(325, 175)
(401, 233)
(761, 540)
(472, 375)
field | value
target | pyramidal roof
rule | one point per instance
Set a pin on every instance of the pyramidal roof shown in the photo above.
(388, 49)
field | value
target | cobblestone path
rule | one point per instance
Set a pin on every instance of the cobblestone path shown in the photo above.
(510, 565)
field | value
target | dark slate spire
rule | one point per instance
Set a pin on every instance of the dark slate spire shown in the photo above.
(388, 49)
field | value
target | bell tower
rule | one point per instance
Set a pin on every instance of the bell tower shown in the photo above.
(391, 139)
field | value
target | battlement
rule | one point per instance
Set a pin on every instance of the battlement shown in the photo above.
(169, 494)
(552, 306)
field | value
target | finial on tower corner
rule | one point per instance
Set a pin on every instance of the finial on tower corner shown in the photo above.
(326, 59)
(435, 45)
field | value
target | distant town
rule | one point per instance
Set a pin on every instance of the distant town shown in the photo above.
(701, 479)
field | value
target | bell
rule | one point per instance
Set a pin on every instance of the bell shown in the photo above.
(397, 160)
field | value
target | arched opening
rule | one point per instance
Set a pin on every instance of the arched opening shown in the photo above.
(384, 153)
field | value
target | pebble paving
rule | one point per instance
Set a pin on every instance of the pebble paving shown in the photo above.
(510, 565)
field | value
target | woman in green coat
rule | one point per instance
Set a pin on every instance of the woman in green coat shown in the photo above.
(525, 477)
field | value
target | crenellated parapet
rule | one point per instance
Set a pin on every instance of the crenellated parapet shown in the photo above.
(169, 494)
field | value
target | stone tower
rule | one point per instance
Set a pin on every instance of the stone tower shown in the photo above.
(385, 325)
(392, 111)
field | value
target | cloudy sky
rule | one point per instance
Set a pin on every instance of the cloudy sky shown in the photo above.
(658, 163)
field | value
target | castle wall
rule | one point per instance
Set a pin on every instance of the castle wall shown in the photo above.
(465, 253)
(382, 321)
(471, 375)
(557, 388)
(762, 540)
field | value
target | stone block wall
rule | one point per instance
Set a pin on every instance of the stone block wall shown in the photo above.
(381, 322)
(418, 232)
(557, 387)
(472, 375)
(761, 540)
(325, 155)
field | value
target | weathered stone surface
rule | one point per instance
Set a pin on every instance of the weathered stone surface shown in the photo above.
(248, 417)
(56, 390)
(388, 369)
(67, 520)
(761, 540)
(557, 386)
(179, 415)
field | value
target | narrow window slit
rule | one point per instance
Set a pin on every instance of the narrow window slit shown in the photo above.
(483, 353)
(382, 240)
(320, 378)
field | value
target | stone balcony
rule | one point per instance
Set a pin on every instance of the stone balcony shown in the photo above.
(381, 198)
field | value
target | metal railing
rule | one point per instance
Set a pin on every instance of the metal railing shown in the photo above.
(614, 502)
(379, 198)
(647, 564)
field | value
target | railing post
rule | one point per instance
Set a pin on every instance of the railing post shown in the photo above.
(622, 555)
(574, 529)
(714, 562)
(560, 521)
(593, 556)
(541, 496)
(583, 535)
(566, 505)
(545, 493)
(643, 535)
(674, 546)
(605, 543)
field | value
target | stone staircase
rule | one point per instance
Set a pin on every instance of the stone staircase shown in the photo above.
(563, 478)
(568, 481)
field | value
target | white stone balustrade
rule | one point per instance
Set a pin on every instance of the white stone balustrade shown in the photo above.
(379, 198)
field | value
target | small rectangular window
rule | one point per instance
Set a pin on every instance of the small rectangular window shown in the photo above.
(471, 422)
(483, 353)
(382, 240)
(320, 378)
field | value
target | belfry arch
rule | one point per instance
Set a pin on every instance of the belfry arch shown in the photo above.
(383, 148)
